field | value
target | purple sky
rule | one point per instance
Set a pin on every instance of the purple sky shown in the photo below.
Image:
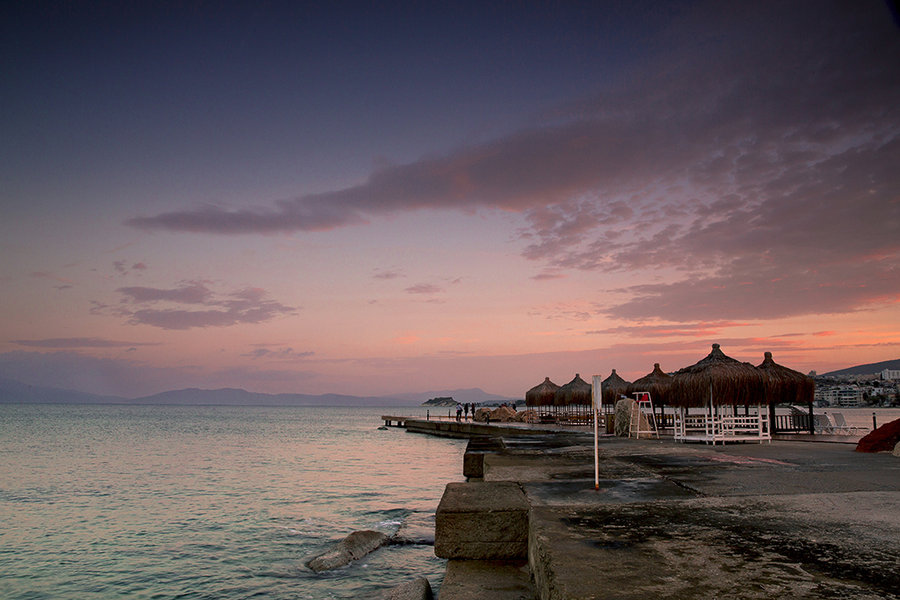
(372, 200)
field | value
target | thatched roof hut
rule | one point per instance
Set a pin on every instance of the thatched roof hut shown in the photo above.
(612, 387)
(542, 394)
(657, 383)
(720, 379)
(577, 391)
(784, 385)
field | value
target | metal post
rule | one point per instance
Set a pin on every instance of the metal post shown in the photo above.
(874, 422)
(597, 401)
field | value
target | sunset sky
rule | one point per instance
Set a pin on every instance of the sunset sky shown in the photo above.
(334, 198)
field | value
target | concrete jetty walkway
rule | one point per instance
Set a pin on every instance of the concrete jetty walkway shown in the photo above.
(786, 519)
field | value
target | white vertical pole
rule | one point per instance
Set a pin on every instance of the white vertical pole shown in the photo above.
(597, 401)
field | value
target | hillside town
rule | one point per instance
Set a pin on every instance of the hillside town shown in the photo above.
(849, 391)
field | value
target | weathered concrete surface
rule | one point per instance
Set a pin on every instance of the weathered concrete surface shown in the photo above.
(417, 589)
(487, 580)
(482, 521)
(353, 547)
(786, 519)
(473, 459)
(469, 429)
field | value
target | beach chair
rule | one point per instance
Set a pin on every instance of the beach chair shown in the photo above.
(822, 424)
(841, 426)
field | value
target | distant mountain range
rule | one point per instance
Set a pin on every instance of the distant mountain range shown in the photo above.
(12, 391)
(867, 369)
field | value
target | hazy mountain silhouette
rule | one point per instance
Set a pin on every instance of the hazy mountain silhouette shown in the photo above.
(12, 391)
(868, 369)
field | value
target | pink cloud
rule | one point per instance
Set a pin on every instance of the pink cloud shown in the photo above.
(189, 293)
(424, 288)
(141, 306)
(388, 274)
(671, 330)
(79, 342)
(765, 173)
(277, 354)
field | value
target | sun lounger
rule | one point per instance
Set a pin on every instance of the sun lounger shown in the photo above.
(823, 424)
(841, 426)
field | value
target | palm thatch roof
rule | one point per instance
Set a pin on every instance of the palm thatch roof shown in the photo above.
(784, 385)
(657, 383)
(541, 394)
(577, 391)
(612, 387)
(718, 378)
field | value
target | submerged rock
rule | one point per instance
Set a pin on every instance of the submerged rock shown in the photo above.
(353, 547)
(417, 589)
(417, 528)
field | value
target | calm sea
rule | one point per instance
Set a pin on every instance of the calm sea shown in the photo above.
(209, 502)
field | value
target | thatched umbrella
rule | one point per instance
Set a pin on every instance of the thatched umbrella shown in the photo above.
(575, 393)
(658, 384)
(612, 387)
(718, 380)
(542, 394)
(786, 386)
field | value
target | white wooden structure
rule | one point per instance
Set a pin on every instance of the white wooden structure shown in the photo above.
(712, 424)
(642, 420)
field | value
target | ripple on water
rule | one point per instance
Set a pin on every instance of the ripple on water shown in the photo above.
(208, 502)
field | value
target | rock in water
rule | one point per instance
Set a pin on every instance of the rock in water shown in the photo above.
(353, 547)
(417, 528)
(417, 589)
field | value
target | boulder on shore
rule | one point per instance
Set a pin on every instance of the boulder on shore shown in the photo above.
(482, 414)
(353, 547)
(525, 416)
(417, 589)
(503, 414)
(882, 439)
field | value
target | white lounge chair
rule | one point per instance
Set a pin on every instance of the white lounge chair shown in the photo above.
(822, 424)
(841, 426)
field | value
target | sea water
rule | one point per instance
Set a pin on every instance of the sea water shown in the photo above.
(114, 501)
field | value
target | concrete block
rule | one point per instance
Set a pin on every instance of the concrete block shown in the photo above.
(417, 589)
(473, 459)
(482, 521)
(477, 580)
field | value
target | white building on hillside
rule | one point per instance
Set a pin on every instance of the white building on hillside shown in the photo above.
(890, 374)
(847, 396)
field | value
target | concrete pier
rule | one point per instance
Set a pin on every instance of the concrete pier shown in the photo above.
(670, 520)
